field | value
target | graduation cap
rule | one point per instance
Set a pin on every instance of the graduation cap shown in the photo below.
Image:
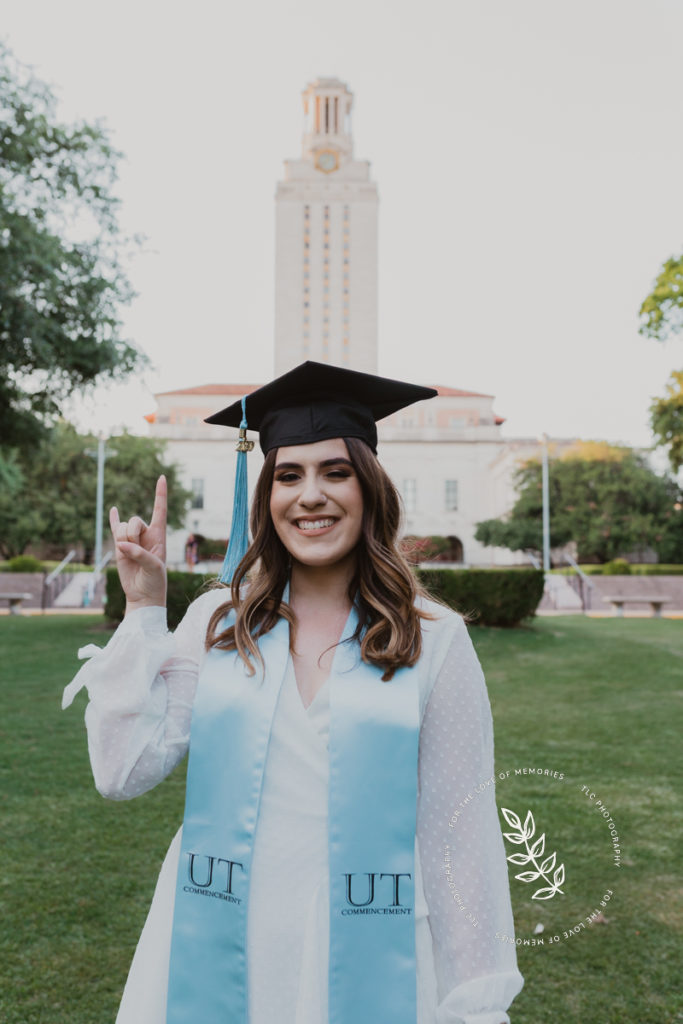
(313, 402)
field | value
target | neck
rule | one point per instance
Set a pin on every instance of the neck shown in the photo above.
(321, 587)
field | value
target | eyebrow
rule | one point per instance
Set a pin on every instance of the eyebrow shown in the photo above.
(323, 464)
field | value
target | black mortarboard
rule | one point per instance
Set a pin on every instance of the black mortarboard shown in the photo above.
(313, 402)
(317, 401)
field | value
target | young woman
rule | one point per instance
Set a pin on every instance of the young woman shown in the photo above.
(340, 861)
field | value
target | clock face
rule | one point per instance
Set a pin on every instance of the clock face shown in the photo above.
(327, 160)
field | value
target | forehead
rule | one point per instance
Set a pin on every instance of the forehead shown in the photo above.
(309, 454)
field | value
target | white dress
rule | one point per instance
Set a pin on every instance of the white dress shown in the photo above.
(141, 688)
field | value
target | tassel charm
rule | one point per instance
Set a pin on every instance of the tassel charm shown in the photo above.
(243, 445)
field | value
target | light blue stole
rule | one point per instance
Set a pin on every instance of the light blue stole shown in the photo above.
(373, 746)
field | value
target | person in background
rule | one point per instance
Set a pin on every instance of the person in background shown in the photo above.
(191, 552)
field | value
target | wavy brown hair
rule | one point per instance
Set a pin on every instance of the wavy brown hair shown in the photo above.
(383, 587)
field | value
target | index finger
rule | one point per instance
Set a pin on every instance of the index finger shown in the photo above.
(160, 504)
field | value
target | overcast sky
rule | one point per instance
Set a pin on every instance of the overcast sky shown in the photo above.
(529, 158)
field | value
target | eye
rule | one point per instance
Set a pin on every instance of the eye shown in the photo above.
(339, 474)
(287, 477)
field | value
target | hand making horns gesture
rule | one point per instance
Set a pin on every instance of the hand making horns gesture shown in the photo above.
(141, 553)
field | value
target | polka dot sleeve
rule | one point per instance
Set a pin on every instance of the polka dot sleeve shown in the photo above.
(141, 688)
(461, 847)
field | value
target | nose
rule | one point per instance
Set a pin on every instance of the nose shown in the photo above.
(312, 493)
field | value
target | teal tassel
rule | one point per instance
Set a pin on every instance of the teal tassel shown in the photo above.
(239, 528)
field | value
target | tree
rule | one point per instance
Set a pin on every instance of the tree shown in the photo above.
(663, 308)
(61, 279)
(54, 500)
(662, 312)
(605, 499)
(666, 419)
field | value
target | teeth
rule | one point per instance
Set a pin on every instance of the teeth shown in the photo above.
(313, 524)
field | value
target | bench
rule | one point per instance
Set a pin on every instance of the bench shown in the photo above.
(15, 601)
(655, 603)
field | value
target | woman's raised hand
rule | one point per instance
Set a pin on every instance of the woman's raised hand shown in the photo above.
(141, 553)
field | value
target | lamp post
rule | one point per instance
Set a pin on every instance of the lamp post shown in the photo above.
(99, 511)
(101, 455)
(546, 505)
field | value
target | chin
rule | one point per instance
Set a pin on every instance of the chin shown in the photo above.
(331, 560)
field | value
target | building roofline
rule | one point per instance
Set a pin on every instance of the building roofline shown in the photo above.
(246, 389)
(212, 389)
(458, 392)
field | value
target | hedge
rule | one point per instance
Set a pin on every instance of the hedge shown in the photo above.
(634, 569)
(22, 563)
(487, 597)
(182, 589)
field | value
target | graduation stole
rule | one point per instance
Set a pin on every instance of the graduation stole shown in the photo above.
(373, 746)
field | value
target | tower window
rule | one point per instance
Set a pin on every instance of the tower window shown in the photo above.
(197, 489)
(409, 492)
(451, 495)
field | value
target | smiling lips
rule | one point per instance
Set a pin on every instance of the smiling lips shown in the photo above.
(314, 524)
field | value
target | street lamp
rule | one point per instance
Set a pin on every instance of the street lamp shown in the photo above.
(546, 505)
(101, 454)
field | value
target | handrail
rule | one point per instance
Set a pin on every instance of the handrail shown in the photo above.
(585, 582)
(107, 558)
(49, 580)
(94, 576)
(55, 572)
(532, 558)
(578, 570)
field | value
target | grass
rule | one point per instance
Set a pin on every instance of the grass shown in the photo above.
(595, 700)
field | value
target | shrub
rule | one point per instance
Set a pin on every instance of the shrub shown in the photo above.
(211, 550)
(617, 567)
(634, 568)
(23, 563)
(183, 588)
(657, 569)
(488, 597)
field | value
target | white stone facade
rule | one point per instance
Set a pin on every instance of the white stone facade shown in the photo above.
(326, 243)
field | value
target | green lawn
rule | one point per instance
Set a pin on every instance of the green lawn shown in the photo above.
(595, 700)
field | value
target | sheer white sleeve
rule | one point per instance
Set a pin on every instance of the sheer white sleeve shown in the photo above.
(461, 847)
(141, 688)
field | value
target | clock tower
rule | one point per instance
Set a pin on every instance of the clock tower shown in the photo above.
(326, 242)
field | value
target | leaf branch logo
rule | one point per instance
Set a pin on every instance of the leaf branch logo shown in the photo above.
(533, 853)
